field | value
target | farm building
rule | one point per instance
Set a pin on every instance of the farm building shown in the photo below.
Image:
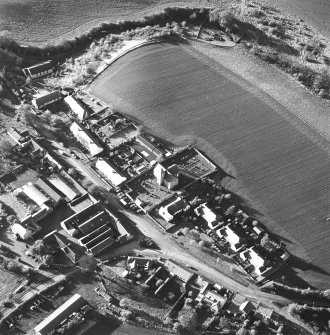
(95, 224)
(34, 194)
(251, 255)
(231, 237)
(165, 177)
(208, 215)
(110, 172)
(64, 187)
(86, 139)
(23, 138)
(59, 315)
(39, 70)
(180, 272)
(150, 145)
(76, 107)
(172, 209)
(47, 99)
(48, 189)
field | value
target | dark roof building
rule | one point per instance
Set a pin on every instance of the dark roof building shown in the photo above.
(39, 70)
(59, 315)
(47, 99)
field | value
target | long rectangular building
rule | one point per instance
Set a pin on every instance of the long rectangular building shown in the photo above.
(64, 186)
(59, 315)
(86, 139)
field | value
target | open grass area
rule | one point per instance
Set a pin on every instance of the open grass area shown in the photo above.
(183, 95)
(44, 21)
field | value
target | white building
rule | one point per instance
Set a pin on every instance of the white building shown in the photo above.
(86, 139)
(110, 172)
(253, 258)
(34, 194)
(76, 107)
(208, 215)
(231, 237)
(169, 211)
(166, 177)
(21, 231)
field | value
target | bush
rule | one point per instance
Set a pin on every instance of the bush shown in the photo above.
(147, 242)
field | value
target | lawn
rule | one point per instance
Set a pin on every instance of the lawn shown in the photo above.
(43, 21)
(9, 282)
(183, 95)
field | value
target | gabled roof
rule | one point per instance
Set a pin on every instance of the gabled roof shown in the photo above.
(47, 98)
(184, 274)
(146, 142)
(34, 194)
(176, 206)
(76, 107)
(63, 186)
(86, 138)
(247, 307)
(59, 315)
(110, 172)
(47, 188)
(41, 67)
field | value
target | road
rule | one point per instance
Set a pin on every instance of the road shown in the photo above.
(171, 249)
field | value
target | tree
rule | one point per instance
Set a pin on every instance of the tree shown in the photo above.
(264, 240)
(38, 248)
(123, 303)
(159, 282)
(178, 328)
(88, 263)
(5, 148)
(225, 18)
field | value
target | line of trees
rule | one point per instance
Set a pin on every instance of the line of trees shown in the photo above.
(168, 15)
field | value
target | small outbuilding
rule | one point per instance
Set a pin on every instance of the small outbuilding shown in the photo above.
(47, 99)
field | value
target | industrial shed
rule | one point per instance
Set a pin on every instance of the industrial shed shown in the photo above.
(64, 187)
(59, 315)
(47, 188)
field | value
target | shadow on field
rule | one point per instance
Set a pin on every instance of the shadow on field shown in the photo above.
(301, 264)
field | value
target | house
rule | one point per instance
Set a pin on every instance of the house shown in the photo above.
(47, 99)
(211, 297)
(231, 237)
(251, 255)
(39, 70)
(23, 139)
(59, 315)
(208, 215)
(76, 107)
(180, 272)
(139, 263)
(61, 184)
(86, 139)
(267, 315)
(110, 172)
(247, 307)
(236, 302)
(165, 177)
(48, 189)
(169, 211)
